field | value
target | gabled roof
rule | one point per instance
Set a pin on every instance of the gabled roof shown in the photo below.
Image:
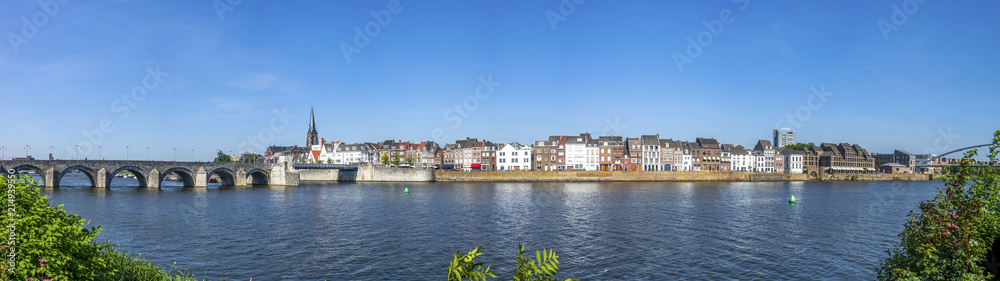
(650, 139)
(737, 150)
(763, 145)
(694, 145)
(708, 142)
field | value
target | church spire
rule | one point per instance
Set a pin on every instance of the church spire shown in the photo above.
(312, 137)
(312, 121)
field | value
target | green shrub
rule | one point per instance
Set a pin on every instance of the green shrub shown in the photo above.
(950, 237)
(543, 268)
(50, 243)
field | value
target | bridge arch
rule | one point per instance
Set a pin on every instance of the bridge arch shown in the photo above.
(257, 176)
(83, 169)
(187, 176)
(18, 167)
(140, 175)
(226, 176)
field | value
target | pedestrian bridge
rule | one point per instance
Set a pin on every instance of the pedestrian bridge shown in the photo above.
(152, 173)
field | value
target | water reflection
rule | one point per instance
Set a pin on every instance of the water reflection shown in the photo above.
(602, 231)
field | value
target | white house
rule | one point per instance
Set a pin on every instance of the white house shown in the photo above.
(741, 159)
(514, 157)
(650, 152)
(686, 164)
(327, 152)
(576, 152)
(793, 161)
(357, 153)
(593, 154)
(764, 154)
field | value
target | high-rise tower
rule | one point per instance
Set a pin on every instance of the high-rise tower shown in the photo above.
(312, 137)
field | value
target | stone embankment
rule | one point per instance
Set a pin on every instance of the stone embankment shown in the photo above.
(598, 176)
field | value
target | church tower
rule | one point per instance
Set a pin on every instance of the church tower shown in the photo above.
(312, 137)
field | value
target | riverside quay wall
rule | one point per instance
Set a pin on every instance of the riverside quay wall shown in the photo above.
(593, 176)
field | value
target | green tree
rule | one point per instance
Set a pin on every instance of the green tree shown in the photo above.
(251, 158)
(800, 146)
(329, 161)
(222, 157)
(395, 160)
(951, 235)
(385, 159)
(409, 160)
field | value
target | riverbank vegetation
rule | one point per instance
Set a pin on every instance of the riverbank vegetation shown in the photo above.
(953, 236)
(543, 268)
(44, 242)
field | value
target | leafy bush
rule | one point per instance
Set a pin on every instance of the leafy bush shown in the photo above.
(543, 268)
(51, 244)
(951, 235)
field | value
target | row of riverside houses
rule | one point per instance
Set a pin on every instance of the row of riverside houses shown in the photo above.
(585, 153)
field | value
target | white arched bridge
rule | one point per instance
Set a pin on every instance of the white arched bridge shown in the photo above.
(152, 173)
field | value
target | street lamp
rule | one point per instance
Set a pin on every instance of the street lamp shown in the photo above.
(3, 152)
(175, 154)
(147, 154)
(192, 155)
(51, 150)
(27, 151)
(127, 148)
(99, 148)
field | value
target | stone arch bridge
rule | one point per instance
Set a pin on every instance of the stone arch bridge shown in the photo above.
(152, 173)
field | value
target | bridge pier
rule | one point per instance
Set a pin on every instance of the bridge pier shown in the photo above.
(50, 175)
(153, 179)
(101, 179)
(201, 178)
(241, 178)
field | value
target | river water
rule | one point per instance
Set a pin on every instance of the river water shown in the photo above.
(600, 231)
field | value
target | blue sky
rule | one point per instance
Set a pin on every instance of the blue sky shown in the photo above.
(929, 84)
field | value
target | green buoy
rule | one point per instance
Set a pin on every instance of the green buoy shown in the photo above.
(791, 200)
(407, 190)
